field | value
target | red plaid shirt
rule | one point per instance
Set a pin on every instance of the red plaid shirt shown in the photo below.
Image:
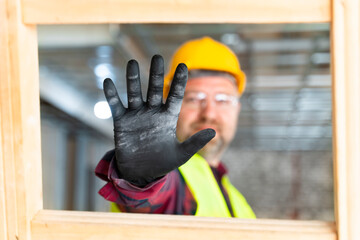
(168, 195)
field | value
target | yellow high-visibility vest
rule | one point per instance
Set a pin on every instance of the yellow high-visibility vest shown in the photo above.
(206, 191)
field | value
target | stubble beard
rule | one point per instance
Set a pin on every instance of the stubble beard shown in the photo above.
(213, 149)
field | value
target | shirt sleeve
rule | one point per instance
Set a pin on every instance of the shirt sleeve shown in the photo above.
(165, 195)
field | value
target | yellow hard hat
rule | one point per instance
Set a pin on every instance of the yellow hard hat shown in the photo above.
(206, 54)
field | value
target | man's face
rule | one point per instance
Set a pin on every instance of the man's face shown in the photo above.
(206, 105)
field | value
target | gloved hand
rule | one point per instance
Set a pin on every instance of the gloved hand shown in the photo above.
(146, 146)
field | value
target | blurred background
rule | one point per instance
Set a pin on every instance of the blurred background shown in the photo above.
(281, 158)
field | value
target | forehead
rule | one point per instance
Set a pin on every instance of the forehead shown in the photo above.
(211, 84)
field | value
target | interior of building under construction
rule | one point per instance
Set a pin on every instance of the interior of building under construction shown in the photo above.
(283, 145)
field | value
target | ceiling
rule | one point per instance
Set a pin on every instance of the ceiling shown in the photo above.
(287, 102)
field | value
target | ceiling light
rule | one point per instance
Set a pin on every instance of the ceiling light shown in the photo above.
(102, 110)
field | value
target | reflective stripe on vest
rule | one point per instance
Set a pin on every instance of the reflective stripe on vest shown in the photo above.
(206, 191)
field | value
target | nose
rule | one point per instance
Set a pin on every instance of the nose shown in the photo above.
(208, 110)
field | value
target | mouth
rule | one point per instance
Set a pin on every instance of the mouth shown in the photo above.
(202, 127)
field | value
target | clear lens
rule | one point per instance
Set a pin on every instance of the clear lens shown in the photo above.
(199, 99)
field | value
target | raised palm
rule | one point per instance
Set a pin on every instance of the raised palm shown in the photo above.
(146, 146)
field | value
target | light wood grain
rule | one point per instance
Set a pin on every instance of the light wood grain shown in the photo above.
(3, 76)
(3, 225)
(64, 225)
(175, 11)
(339, 122)
(7, 133)
(20, 122)
(346, 92)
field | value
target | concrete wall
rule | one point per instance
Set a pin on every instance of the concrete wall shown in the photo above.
(285, 185)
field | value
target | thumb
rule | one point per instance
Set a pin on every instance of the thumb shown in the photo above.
(197, 141)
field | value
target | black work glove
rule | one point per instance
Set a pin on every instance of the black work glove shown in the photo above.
(146, 146)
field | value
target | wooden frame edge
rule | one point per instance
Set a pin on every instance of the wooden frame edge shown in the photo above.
(70, 225)
(345, 36)
(181, 11)
(20, 122)
(23, 116)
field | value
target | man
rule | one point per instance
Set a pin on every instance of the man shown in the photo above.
(149, 171)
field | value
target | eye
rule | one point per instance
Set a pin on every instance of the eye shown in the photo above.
(194, 97)
(223, 99)
(190, 99)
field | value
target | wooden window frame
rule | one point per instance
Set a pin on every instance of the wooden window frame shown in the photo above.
(22, 216)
